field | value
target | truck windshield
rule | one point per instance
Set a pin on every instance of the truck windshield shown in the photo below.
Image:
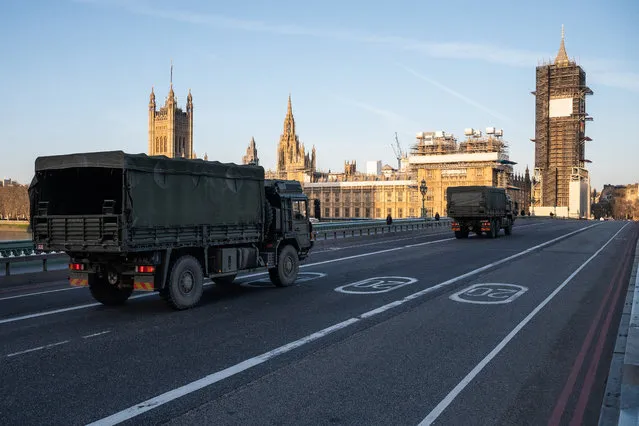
(299, 209)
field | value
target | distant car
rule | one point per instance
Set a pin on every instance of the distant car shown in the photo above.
(313, 220)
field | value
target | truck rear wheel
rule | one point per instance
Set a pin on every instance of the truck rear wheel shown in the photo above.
(288, 265)
(186, 283)
(108, 294)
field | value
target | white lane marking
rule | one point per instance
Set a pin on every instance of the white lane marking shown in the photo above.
(171, 395)
(331, 249)
(88, 336)
(429, 242)
(437, 411)
(244, 276)
(489, 293)
(394, 240)
(38, 293)
(38, 348)
(301, 278)
(376, 285)
(90, 305)
(217, 376)
(357, 256)
(315, 251)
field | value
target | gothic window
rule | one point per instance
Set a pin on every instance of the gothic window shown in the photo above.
(347, 212)
(336, 212)
(327, 212)
(368, 212)
(165, 146)
(400, 213)
(356, 211)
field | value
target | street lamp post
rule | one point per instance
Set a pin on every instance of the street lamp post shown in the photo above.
(422, 189)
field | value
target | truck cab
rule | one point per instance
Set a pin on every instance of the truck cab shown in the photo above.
(290, 210)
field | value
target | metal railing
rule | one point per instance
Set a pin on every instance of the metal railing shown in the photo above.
(375, 227)
(23, 251)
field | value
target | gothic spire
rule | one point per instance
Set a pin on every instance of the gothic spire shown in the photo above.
(289, 121)
(562, 56)
(171, 93)
(152, 97)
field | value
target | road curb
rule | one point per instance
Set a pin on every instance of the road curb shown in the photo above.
(620, 405)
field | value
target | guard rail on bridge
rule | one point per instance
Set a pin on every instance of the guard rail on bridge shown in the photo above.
(373, 227)
(21, 251)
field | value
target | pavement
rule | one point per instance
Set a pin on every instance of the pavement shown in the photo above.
(396, 329)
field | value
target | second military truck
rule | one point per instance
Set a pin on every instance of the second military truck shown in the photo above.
(137, 222)
(479, 209)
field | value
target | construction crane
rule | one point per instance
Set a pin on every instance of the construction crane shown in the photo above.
(399, 153)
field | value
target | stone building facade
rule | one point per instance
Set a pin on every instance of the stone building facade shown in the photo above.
(562, 182)
(170, 127)
(293, 162)
(251, 154)
(437, 158)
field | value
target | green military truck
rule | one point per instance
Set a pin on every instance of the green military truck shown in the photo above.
(479, 209)
(137, 222)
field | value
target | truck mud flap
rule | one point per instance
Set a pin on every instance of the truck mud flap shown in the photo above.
(143, 283)
(79, 279)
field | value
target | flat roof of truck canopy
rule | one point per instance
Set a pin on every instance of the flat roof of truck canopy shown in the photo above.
(146, 163)
(475, 188)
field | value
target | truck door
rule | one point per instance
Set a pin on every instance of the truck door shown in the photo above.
(301, 224)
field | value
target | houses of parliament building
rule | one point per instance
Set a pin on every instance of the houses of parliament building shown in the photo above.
(437, 158)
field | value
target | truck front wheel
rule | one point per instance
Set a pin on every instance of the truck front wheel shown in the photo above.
(288, 265)
(108, 294)
(509, 229)
(186, 283)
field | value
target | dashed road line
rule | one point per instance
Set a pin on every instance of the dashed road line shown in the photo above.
(96, 334)
(152, 403)
(308, 265)
(39, 348)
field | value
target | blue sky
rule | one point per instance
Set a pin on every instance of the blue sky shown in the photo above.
(76, 75)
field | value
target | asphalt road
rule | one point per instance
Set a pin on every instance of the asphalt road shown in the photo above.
(415, 347)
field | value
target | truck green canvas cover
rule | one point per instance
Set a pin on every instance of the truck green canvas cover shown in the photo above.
(152, 191)
(475, 200)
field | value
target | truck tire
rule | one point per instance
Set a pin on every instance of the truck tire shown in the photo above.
(288, 265)
(186, 283)
(509, 229)
(493, 229)
(108, 294)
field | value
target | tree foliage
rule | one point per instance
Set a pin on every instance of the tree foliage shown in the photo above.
(14, 202)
